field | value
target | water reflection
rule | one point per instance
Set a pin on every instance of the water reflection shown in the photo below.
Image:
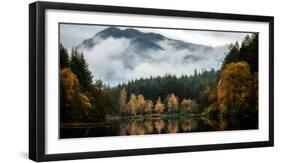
(158, 126)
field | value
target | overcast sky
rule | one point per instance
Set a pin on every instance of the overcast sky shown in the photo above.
(115, 61)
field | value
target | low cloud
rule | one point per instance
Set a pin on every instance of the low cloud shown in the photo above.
(116, 61)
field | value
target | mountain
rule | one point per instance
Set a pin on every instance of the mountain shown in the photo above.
(140, 40)
(119, 55)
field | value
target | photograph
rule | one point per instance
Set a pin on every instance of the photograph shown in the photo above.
(122, 80)
(114, 81)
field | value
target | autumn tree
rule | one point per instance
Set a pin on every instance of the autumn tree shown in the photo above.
(91, 97)
(148, 106)
(132, 104)
(172, 102)
(140, 104)
(160, 86)
(74, 104)
(122, 100)
(185, 103)
(85, 103)
(159, 106)
(69, 84)
(234, 86)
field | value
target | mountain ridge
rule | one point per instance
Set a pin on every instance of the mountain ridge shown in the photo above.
(140, 39)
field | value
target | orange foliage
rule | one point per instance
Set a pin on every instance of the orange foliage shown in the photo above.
(234, 86)
(70, 86)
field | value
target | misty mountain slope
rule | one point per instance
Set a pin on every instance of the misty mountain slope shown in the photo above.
(139, 39)
(115, 55)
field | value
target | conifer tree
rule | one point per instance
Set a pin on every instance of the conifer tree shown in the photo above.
(80, 67)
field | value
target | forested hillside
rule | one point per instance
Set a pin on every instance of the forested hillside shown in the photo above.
(184, 87)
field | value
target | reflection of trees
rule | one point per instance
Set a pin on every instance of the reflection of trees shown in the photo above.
(185, 126)
(159, 125)
(189, 125)
(220, 124)
(132, 127)
(173, 126)
(123, 128)
(148, 126)
(141, 127)
(136, 128)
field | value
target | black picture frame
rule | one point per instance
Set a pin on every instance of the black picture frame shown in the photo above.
(37, 80)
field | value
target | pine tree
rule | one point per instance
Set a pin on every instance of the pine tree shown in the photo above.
(233, 54)
(249, 51)
(64, 57)
(80, 67)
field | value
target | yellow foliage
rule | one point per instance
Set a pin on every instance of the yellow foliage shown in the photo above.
(132, 104)
(159, 106)
(172, 102)
(85, 102)
(72, 93)
(140, 103)
(186, 103)
(122, 100)
(148, 106)
(70, 84)
(234, 86)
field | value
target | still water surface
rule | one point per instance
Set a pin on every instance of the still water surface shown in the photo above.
(157, 126)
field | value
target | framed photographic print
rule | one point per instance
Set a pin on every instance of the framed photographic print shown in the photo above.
(118, 81)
